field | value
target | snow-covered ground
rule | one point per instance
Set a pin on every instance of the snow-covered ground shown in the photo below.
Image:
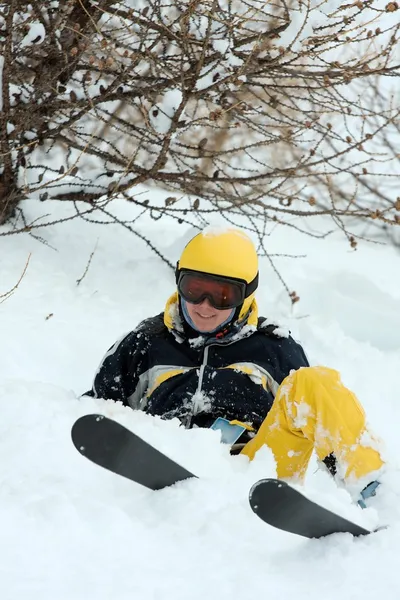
(72, 531)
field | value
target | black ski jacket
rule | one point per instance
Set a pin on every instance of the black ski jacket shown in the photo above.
(159, 369)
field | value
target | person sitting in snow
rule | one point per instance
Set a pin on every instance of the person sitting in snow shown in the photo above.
(210, 355)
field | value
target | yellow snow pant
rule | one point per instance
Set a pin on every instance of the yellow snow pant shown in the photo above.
(313, 410)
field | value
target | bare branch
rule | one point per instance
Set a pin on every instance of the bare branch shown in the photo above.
(7, 295)
(274, 112)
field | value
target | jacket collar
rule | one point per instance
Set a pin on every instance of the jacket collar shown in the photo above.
(236, 330)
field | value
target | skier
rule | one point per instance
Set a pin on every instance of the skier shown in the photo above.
(210, 355)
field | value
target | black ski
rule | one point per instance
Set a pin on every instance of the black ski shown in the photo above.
(281, 506)
(116, 448)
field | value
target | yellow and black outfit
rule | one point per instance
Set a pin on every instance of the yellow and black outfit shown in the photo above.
(244, 376)
(158, 369)
(250, 371)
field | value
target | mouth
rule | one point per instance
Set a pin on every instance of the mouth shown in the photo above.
(205, 316)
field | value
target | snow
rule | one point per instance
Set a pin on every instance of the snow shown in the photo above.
(36, 34)
(161, 114)
(208, 75)
(73, 531)
(221, 45)
(221, 229)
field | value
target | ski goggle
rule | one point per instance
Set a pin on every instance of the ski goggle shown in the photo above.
(222, 292)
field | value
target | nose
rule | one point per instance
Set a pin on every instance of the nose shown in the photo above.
(206, 304)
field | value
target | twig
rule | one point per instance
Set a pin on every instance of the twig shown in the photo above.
(7, 295)
(78, 281)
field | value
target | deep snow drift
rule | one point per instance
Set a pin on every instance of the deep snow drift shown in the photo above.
(71, 530)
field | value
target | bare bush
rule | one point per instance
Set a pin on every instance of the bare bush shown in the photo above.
(270, 110)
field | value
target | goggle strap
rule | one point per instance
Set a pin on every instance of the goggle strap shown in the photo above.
(177, 271)
(252, 286)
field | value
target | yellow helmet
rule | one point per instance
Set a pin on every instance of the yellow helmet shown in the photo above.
(227, 253)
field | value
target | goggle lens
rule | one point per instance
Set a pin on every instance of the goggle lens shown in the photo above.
(222, 293)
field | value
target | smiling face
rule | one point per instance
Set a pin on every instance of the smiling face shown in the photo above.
(205, 317)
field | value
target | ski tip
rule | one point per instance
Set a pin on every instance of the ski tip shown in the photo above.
(79, 427)
(261, 489)
(268, 482)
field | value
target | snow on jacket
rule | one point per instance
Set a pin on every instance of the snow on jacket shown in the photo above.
(157, 368)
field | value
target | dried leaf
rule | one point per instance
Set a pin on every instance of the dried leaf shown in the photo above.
(215, 115)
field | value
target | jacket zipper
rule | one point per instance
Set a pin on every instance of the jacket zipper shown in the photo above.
(200, 383)
(201, 376)
(195, 408)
